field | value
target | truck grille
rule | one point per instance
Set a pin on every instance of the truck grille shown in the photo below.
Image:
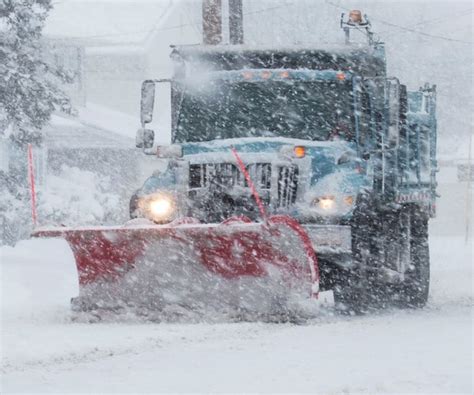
(261, 175)
(229, 175)
(287, 185)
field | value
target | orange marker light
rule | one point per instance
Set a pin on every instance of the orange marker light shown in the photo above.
(340, 76)
(349, 200)
(299, 151)
(284, 74)
(266, 74)
(247, 75)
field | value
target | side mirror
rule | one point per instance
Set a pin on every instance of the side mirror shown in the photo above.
(144, 138)
(147, 102)
(169, 151)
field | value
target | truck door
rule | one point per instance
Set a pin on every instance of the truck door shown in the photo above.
(384, 96)
(419, 146)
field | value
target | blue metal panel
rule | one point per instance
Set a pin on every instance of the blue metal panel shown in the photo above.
(421, 120)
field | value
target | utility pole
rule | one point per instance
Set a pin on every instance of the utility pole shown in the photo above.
(236, 25)
(470, 176)
(212, 22)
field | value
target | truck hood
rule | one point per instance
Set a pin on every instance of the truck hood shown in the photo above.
(323, 155)
(266, 145)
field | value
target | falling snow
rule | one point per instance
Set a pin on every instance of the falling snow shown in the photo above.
(289, 217)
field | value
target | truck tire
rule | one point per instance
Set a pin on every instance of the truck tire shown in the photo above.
(360, 291)
(415, 288)
(350, 296)
(355, 291)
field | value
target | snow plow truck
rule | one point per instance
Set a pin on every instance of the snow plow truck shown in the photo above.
(290, 171)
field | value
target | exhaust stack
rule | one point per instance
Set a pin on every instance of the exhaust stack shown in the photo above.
(236, 24)
(212, 22)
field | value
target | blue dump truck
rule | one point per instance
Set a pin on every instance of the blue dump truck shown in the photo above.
(327, 138)
(290, 171)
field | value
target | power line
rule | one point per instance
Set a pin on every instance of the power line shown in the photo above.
(267, 9)
(132, 33)
(193, 24)
(338, 6)
(408, 29)
(426, 34)
(431, 21)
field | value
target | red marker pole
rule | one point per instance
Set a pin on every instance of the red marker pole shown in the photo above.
(290, 222)
(31, 179)
(246, 174)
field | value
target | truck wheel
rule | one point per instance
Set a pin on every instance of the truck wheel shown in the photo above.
(382, 241)
(354, 289)
(350, 296)
(415, 288)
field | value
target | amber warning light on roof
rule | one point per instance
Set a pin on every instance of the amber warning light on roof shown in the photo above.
(355, 17)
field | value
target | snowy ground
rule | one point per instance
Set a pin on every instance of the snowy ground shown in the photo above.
(393, 351)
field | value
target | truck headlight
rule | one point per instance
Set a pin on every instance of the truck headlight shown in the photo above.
(159, 207)
(333, 205)
(325, 203)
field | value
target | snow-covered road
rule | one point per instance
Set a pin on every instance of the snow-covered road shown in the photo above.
(427, 350)
(404, 351)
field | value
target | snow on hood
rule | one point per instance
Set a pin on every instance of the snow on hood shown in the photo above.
(263, 144)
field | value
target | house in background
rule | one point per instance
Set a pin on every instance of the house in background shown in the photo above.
(110, 47)
(121, 43)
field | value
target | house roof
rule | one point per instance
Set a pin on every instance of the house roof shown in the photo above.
(69, 132)
(109, 120)
(106, 22)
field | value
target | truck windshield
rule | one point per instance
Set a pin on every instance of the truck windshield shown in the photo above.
(311, 110)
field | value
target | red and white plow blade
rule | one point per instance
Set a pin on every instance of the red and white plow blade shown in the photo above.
(204, 268)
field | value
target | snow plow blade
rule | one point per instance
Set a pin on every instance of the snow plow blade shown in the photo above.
(199, 267)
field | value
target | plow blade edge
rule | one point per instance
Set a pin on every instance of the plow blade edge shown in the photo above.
(196, 266)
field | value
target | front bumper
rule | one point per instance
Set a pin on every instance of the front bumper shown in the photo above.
(330, 239)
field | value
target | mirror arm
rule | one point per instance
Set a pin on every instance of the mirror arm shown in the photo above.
(149, 151)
